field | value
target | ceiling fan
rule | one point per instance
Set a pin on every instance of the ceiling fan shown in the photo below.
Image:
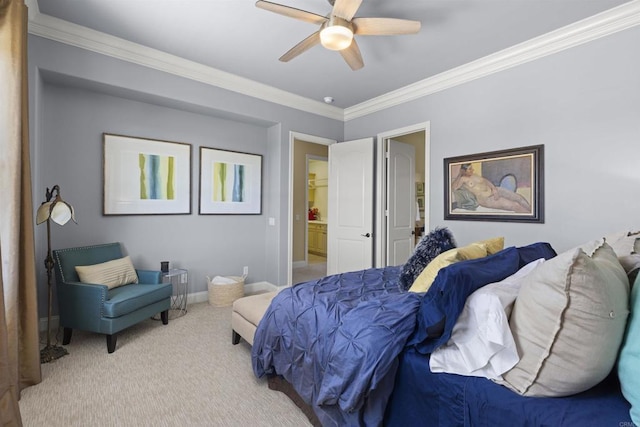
(338, 28)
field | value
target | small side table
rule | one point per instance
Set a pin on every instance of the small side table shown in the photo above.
(179, 278)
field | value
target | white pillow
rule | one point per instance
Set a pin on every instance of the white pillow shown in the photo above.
(481, 344)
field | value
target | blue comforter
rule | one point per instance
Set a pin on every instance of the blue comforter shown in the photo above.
(336, 340)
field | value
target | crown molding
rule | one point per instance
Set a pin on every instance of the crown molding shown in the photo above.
(85, 38)
(603, 24)
(33, 8)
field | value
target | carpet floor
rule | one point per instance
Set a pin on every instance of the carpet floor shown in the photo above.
(184, 374)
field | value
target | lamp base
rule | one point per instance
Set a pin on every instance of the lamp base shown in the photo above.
(51, 353)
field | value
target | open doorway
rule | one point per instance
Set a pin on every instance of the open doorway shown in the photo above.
(298, 203)
(317, 220)
(418, 136)
(309, 178)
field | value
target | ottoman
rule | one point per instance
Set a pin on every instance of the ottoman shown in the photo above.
(247, 313)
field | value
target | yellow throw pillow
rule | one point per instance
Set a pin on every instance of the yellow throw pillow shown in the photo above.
(473, 251)
(425, 279)
(111, 273)
(494, 245)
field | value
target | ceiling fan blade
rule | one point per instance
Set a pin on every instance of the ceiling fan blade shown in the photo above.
(346, 9)
(384, 26)
(352, 56)
(291, 12)
(301, 47)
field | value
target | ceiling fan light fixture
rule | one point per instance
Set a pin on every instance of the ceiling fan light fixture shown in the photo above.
(337, 29)
(336, 34)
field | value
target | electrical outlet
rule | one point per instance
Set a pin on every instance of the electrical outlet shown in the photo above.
(245, 271)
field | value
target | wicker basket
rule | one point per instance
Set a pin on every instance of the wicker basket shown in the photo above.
(224, 295)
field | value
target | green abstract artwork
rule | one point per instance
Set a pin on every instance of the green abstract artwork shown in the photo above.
(157, 177)
(228, 182)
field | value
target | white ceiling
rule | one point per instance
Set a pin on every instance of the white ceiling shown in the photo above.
(236, 37)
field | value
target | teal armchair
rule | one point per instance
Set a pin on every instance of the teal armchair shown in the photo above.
(96, 308)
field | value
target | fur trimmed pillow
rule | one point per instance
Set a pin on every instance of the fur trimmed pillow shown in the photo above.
(430, 246)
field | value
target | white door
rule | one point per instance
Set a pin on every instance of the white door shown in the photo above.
(350, 229)
(401, 201)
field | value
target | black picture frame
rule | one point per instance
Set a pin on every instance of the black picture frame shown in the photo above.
(491, 186)
(144, 176)
(238, 190)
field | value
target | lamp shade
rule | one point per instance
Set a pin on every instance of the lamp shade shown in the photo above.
(57, 210)
(336, 37)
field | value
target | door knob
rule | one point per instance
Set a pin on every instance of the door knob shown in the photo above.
(366, 235)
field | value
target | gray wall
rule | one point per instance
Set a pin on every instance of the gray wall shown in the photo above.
(583, 104)
(77, 95)
(74, 120)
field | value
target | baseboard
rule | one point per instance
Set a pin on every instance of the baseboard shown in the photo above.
(193, 298)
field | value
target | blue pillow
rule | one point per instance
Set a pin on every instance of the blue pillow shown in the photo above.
(535, 251)
(444, 301)
(629, 360)
(430, 246)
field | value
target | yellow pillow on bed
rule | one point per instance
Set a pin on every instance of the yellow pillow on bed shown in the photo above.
(425, 279)
(494, 245)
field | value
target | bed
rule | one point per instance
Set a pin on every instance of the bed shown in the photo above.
(421, 397)
(355, 349)
(324, 337)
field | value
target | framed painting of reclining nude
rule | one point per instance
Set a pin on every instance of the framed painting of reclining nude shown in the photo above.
(504, 185)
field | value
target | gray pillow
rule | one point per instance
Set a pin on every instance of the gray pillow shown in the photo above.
(631, 264)
(568, 322)
(624, 243)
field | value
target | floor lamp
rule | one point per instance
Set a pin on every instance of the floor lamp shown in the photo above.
(60, 212)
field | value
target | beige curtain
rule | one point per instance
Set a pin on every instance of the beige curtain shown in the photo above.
(19, 346)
